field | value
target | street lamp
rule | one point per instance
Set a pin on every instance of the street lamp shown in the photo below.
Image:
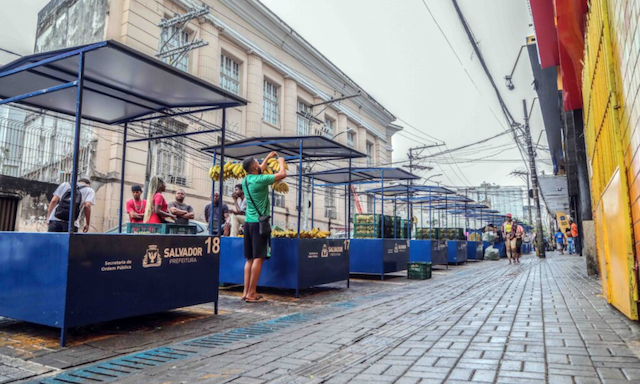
(340, 133)
(430, 177)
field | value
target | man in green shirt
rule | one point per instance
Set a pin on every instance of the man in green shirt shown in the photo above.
(256, 189)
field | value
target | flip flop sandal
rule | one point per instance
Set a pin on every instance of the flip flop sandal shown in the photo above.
(260, 299)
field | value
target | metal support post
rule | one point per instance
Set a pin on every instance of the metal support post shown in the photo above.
(312, 201)
(122, 168)
(76, 141)
(220, 188)
(299, 187)
(213, 190)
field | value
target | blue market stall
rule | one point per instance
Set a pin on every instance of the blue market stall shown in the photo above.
(382, 252)
(296, 263)
(425, 247)
(457, 244)
(71, 279)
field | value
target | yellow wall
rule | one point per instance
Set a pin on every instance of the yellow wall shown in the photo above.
(612, 142)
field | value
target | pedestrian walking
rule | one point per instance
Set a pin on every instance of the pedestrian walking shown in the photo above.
(559, 237)
(218, 226)
(182, 211)
(509, 235)
(238, 213)
(519, 230)
(257, 230)
(60, 206)
(158, 211)
(136, 206)
(577, 244)
(567, 234)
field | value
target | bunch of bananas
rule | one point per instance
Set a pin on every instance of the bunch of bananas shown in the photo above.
(315, 233)
(232, 170)
(280, 233)
(214, 173)
(280, 187)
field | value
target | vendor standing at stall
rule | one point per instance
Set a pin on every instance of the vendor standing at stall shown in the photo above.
(238, 213)
(157, 212)
(182, 211)
(218, 226)
(256, 239)
(135, 207)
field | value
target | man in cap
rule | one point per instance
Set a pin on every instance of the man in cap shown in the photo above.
(509, 235)
(135, 207)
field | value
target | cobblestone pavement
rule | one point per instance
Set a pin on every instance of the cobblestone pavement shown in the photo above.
(540, 321)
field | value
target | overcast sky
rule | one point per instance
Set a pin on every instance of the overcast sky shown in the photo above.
(395, 51)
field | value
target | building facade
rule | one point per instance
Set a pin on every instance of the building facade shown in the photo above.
(246, 49)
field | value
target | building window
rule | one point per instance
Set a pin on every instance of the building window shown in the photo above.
(169, 157)
(172, 38)
(328, 127)
(330, 209)
(369, 204)
(229, 74)
(304, 124)
(278, 200)
(270, 107)
(351, 140)
(228, 188)
(369, 154)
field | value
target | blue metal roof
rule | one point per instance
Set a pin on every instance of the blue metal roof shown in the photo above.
(314, 148)
(120, 84)
(397, 190)
(363, 174)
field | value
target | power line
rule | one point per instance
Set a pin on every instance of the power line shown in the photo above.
(10, 52)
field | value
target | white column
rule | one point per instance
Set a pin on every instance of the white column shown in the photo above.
(255, 86)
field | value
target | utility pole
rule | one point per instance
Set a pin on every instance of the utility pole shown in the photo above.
(534, 181)
(413, 157)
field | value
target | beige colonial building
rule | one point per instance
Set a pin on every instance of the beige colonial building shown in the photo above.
(243, 47)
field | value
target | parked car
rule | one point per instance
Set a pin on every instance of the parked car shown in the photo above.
(201, 228)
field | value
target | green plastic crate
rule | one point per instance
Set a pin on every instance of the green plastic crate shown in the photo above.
(419, 270)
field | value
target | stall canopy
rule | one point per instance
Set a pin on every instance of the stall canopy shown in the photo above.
(400, 190)
(360, 175)
(311, 148)
(119, 84)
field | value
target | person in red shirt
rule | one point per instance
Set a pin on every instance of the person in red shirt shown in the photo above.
(577, 245)
(136, 206)
(158, 212)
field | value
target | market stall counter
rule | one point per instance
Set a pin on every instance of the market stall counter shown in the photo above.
(295, 263)
(456, 251)
(475, 250)
(374, 253)
(71, 279)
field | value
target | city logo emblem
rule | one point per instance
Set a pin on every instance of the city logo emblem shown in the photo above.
(152, 258)
(395, 248)
(408, 243)
(325, 251)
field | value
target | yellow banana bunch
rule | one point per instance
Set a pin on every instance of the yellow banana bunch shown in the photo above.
(280, 187)
(214, 173)
(238, 171)
(315, 233)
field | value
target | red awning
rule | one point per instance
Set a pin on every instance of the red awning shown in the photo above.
(546, 34)
(570, 22)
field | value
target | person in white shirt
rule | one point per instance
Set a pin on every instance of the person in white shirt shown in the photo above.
(237, 216)
(60, 205)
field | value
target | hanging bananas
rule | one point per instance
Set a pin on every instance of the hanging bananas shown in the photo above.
(234, 170)
(280, 187)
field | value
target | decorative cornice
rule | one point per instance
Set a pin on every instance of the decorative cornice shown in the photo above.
(375, 110)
